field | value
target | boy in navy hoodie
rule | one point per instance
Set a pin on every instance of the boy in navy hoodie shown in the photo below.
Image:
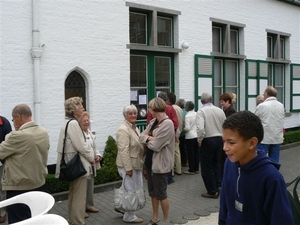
(253, 190)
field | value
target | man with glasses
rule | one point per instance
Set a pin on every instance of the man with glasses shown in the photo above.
(25, 151)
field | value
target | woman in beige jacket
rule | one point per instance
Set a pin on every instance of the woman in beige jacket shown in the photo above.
(130, 156)
(75, 142)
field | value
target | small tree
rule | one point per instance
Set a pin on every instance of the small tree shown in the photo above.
(109, 170)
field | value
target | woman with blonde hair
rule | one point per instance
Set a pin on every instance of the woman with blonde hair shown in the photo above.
(75, 142)
(159, 137)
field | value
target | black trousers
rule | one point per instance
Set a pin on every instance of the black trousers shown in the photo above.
(183, 150)
(193, 154)
(19, 212)
(210, 165)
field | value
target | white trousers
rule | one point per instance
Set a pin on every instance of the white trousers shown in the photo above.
(137, 177)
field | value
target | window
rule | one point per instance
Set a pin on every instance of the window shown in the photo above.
(138, 28)
(277, 46)
(227, 52)
(152, 28)
(276, 79)
(225, 78)
(227, 38)
(164, 31)
(75, 86)
(152, 49)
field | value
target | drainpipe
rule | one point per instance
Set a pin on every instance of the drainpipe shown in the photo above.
(36, 53)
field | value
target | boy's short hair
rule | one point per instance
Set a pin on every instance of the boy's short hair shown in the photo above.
(246, 123)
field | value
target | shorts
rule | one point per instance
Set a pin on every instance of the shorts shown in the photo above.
(157, 185)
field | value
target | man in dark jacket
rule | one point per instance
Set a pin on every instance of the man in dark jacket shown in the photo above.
(5, 128)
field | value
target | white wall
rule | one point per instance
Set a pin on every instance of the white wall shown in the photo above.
(92, 36)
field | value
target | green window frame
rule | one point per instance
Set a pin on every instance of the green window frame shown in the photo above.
(257, 73)
(295, 87)
(155, 74)
(211, 75)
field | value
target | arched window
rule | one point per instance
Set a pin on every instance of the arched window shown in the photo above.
(75, 86)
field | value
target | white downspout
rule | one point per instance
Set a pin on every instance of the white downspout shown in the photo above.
(36, 53)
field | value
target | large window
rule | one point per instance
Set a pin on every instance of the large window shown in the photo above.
(228, 52)
(152, 48)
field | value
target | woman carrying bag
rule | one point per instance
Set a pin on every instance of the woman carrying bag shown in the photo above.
(129, 158)
(75, 142)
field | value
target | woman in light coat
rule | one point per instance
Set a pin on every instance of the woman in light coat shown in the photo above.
(85, 125)
(130, 156)
(75, 142)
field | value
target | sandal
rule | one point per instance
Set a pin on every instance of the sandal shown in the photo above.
(151, 222)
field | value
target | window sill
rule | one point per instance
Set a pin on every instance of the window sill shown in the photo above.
(228, 55)
(272, 60)
(153, 48)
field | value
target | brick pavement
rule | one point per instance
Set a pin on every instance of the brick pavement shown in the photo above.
(186, 203)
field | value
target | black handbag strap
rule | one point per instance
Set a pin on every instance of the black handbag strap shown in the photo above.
(64, 144)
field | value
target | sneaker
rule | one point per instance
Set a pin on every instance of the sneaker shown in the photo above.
(188, 172)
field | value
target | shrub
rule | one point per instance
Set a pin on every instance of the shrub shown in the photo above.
(107, 173)
(291, 137)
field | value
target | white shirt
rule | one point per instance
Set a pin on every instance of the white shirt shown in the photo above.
(271, 114)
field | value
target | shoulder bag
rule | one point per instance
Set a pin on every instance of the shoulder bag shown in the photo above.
(74, 168)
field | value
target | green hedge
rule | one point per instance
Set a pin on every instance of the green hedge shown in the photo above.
(107, 173)
(291, 136)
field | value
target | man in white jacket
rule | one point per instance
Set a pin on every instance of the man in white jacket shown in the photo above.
(271, 113)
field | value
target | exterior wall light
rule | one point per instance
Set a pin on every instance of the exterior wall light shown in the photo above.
(185, 45)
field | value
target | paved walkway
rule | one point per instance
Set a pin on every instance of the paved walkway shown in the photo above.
(186, 204)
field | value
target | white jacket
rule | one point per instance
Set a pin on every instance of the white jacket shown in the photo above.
(271, 114)
(190, 125)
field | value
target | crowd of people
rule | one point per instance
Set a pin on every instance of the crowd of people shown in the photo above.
(236, 153)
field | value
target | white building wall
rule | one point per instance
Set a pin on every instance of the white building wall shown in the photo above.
(92, 36)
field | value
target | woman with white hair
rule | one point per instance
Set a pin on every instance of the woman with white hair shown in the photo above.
(129, 158)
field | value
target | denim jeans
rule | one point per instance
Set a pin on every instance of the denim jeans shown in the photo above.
(272, 150)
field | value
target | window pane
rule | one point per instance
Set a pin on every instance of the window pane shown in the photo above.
(279, 75)
(269, 46)
(216, 39)
(75, 86)
(163, 72)
(164, 31)
(218, 71)
(138, 71)
(138, 28)
(217, 94)
(231, 69)
(234, 41)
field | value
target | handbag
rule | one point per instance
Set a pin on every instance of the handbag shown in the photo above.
(74, 168)
(129, 201)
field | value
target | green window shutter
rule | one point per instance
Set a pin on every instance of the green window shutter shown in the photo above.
(295, 88)
(256, 81)
(204, 70)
